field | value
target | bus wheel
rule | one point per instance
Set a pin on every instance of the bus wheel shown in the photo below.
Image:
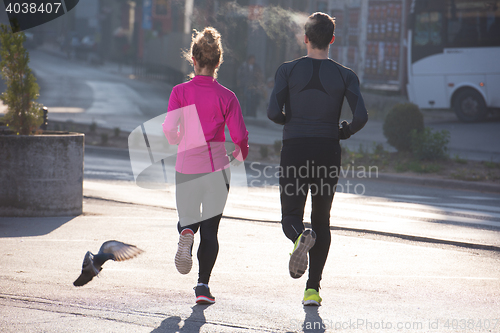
(469, 106)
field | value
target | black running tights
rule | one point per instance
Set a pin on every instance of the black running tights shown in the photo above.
(309, 165)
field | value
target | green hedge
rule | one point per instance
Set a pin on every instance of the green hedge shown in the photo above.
(401, 120)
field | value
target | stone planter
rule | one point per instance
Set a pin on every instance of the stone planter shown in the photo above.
(41, 175)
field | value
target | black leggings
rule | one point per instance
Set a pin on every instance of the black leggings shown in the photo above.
(309, 165)
(208, 191)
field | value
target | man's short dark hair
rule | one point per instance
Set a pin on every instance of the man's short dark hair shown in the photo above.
(319, 29)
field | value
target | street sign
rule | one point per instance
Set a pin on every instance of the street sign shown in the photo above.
(147, 6)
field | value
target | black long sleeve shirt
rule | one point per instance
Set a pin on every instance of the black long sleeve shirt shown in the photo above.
(312, 92)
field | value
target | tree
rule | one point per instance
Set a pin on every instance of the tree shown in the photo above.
(24, 115)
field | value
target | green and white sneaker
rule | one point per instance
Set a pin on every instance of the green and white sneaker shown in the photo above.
(298, 257)
(311, 297)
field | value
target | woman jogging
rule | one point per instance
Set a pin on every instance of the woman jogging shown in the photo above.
(312, 89)
(197, 114)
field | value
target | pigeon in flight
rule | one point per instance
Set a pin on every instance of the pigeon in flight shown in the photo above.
(114, 250)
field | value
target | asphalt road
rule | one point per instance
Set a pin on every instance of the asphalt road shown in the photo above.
(75, 91)
(360, 203)
(369, 281)
(374, 281)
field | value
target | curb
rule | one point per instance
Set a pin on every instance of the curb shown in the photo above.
(441, 183)
(432, 182)
(52, 51)
(421, 239)
(108, 151)
(261, 122)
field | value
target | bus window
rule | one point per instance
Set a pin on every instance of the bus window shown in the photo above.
(428, 35)
(428, 29)
(493, 25)
(473, 23)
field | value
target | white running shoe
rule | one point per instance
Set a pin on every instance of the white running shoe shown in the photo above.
(183, 259)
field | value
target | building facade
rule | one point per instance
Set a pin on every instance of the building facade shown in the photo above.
(370, 34)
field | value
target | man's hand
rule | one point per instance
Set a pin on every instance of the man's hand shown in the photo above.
(344, 131)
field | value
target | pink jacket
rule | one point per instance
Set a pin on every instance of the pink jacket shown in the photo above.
(197, 114)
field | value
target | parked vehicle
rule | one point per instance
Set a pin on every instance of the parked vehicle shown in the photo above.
(453, 56)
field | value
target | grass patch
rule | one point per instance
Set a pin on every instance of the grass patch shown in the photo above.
(491, 165)
(418, 167)
(264, 151)
(459, 160)
(468, 175)
(405, 162)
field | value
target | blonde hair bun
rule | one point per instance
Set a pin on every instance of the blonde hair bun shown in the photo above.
(206, 48)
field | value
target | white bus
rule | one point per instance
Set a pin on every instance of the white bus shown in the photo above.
(454, 56)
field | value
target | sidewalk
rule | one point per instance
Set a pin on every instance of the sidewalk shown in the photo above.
(364, 279)
(107, 66)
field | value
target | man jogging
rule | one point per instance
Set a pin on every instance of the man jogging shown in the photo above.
(311, 89)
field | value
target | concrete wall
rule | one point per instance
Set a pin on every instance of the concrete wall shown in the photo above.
(41, 175)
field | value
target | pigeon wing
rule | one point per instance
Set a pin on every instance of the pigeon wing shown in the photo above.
(88, 271)
(83, 279)
(121, 251)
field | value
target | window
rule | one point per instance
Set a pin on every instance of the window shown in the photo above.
(473, 23)
(453, 24)
(428, 29)
(160, 8)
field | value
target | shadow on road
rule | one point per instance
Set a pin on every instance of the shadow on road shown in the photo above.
(192, 324)
(30, 226)
(313, 322)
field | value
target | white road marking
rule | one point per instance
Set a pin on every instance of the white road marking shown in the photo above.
(108, 173)
(403, 196)
(474, 197)
(471, 206)
(65, 110)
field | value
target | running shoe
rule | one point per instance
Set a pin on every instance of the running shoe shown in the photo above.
(311, 297)
(298, 257)
(183, 259)
(203, 295)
